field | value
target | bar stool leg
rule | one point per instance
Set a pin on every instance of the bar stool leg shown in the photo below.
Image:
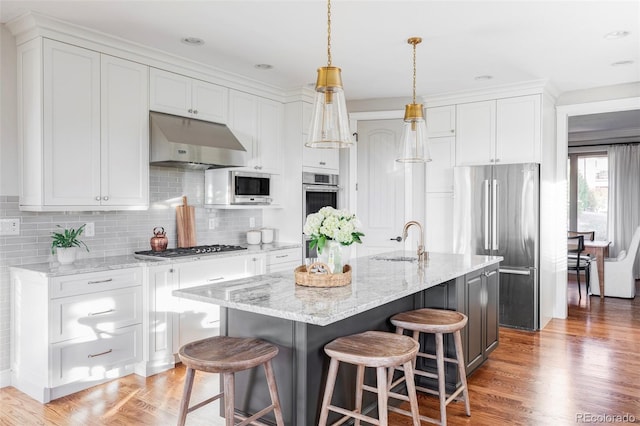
(328, 391)
(359, 384)
(461, 371)
(411, 391)
(383, 396)
(441, 381)
(186, 396)
(229, 395)
(273, 391)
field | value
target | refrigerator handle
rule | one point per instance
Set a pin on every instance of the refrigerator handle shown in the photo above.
(485, 188)
(494, 216)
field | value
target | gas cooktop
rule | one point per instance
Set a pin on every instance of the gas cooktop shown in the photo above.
(188, 251)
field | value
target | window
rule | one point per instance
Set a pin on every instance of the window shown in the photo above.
(588, 193)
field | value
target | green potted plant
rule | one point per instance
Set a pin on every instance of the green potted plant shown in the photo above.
(64, 244)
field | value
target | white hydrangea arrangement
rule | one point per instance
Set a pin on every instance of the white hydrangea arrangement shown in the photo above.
(332, 224)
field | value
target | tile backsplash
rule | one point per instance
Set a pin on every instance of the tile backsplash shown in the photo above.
(117, 232)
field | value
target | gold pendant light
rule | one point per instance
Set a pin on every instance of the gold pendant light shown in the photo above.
(329, 126)
(414, 141)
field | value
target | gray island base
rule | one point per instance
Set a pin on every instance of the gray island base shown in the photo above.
(301, 320)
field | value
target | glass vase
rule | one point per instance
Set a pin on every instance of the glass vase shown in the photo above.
(335, 256)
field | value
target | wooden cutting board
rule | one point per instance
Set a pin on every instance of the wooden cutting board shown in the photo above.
(186, 224)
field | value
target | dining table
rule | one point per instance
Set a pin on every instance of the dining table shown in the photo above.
(599, 250)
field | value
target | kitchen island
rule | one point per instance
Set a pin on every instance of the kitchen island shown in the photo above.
(301, 320)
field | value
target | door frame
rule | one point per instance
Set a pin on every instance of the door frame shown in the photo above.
(563, 112)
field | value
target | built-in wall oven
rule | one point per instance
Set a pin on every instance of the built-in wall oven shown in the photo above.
(318, 190)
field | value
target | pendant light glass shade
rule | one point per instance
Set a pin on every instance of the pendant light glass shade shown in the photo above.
(414, 142)
(329, 127)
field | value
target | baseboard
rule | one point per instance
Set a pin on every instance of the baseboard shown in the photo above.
(5, 378)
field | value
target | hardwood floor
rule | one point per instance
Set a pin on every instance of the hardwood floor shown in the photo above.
(586, 365)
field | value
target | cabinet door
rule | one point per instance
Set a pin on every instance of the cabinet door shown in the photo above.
(71, 125)
(518, 130)
(441, 121)
(209, 101)
(439, 222)
(474, 311)
(256, 264)
(163, 331)
(243, 117)
(268, 138)
(169, 92)
(492, 290)
(475, 133)
(125, 133)
(440, 169)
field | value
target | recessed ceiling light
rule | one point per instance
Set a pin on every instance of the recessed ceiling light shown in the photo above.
(619, 63)
(616, 34)
(263, 66)
(483, 77)
(192, 41)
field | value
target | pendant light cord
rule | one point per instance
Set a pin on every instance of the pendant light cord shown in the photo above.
(414, 73)
(328, 33)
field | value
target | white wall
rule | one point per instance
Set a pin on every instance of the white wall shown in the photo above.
(8, 114)
(596, 94)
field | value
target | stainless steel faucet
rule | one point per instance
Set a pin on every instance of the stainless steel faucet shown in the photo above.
(422, 255)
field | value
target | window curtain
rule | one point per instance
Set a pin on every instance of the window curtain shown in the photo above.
(624, 198)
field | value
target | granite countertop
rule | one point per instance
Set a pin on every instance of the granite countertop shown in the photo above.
(87, 265)
(376, 280)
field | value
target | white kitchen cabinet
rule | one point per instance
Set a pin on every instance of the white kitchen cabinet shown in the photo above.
(83, 129)
(258, 123)
(439, 222)
(441, 121)
(74, 331)
(187, 97)
(316, 159)
(502, 131)
(439, 171)
(283, 260)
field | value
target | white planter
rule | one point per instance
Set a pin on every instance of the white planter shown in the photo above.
(66, 255)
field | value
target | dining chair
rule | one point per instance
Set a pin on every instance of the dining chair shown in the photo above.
(618, 272)
(576, 261)
(588, 235)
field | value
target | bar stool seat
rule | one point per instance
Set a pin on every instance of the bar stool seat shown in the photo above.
(381, 351)
(437, 322)
(228, 355)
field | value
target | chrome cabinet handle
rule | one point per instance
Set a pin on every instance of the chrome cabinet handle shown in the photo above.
(101, 353)
(105, 198)
(215, 279)
(190, 111)
(398, 238)
(101, 281)
(195, 111)
(98, 198)
(93, 314)
(281, 256)
(322, 163)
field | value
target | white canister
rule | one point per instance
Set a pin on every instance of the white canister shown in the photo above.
(267, 235)
(253, 237)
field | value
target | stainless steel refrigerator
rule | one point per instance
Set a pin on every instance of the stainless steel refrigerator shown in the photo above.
(496, 212)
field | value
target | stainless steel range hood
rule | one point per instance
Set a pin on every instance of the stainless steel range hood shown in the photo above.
(194, 144)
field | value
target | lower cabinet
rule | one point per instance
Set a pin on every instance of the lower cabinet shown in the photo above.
(283, 260)
(476, 296)
(72, 332)
(173, 322)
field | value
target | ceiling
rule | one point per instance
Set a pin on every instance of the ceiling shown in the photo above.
(514, 41)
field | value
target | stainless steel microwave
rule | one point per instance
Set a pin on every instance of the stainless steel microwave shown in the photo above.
(224, 186)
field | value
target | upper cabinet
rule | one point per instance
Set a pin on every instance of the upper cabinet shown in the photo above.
(187, 97)
(315, 159)
(83, 127)
(503, 131)
(258, 123)
(441, 121)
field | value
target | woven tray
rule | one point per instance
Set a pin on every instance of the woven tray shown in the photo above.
(312, 279)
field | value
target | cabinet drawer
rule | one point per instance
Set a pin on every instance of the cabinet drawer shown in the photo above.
(204, 272)
(85, 315)
(71, 285)
(83, 358)
(284, 256)
(286, 266)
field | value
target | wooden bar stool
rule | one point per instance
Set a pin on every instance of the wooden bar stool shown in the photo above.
(228, 355)
(437, 322)
(375, 349)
